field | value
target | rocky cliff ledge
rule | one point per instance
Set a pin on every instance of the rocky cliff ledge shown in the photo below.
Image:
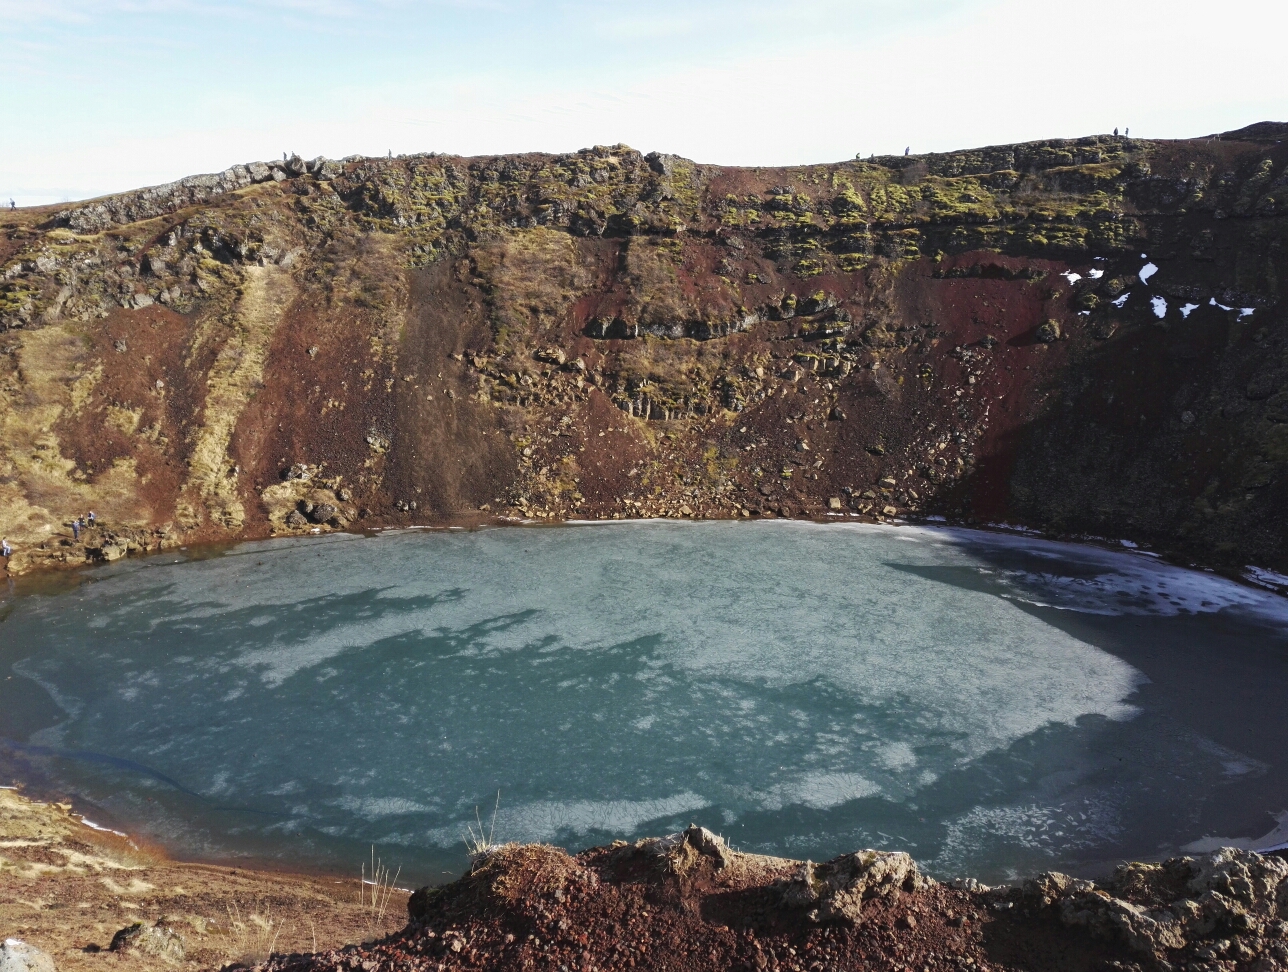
(1086, 336)
(688, 902)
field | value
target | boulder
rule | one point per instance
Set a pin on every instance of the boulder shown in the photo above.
(1182, 903)
(17, 956)
(835, 891)
(683, 849)
(159, 941)
(296, 520)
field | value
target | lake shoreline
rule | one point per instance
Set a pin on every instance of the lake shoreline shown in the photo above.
(35, 573)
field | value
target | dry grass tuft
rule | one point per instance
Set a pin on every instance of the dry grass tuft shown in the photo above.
(476, 842)
(252, 938)
(374, 894)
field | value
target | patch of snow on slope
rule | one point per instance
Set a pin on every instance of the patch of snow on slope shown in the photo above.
(1265, 578)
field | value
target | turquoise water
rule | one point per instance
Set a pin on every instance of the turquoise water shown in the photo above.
(992, 704)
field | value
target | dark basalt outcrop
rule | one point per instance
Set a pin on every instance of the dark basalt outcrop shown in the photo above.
(975, 334)
(689, 902)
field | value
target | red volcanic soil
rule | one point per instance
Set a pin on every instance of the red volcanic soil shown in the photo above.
(688, 903)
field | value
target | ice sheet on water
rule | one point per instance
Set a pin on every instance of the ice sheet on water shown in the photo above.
(1275, 840)
(1110, 583)
(819, 791)
(377, 808)
(1040, 830)
(546, 819)
(604, 677)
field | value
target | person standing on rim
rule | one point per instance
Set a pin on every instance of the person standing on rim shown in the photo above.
(6, 551)
(76, 528)
(90, 519)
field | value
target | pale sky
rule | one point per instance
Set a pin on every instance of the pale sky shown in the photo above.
(105, 95)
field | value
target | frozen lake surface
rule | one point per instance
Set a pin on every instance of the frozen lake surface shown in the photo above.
(995, 705)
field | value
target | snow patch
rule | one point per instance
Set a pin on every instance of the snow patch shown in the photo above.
(1187, 309)
(1096, 274)
(1245, 312)
(1147, 271)
(106, 830)
(1214, 303)
(1265, 578)
(1160, 306)
(1121, 300)
(1072, 277)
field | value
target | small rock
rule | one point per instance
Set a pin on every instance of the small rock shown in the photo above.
(344, 494)
(1049, 332)
(159, 941)
(834, 503)
(295, 520)
(17, 956)
(322, 512)
(908, 921)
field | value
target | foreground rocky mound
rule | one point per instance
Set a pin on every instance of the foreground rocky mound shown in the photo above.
(1084, 335)
(689, 902)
